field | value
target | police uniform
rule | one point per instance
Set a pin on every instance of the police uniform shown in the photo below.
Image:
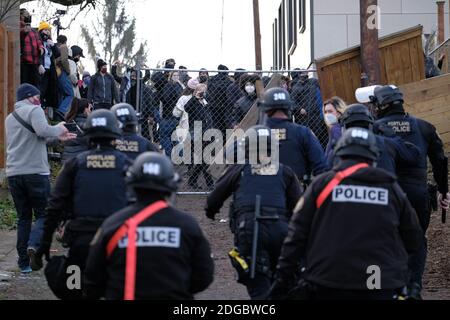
(346, 225)
(299, 147)
(279, 190)
(130, 143)
(393, 151)
(413, 177)
(168, 258)
(89, 188)
(133, 145)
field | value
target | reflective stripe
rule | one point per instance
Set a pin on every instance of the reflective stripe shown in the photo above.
(129, 229)
(341, 175)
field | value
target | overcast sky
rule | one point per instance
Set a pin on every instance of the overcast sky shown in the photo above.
(189, 31)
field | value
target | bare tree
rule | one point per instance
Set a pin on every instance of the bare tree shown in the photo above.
(113, 36)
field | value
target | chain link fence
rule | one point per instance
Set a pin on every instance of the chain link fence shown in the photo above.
(177, 107)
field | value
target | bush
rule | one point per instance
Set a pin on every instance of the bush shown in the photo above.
(8, 214)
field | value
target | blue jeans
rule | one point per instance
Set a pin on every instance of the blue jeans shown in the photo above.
(166, 128)
(30, 193)
(66, 94)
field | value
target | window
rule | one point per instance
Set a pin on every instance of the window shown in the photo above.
(291, 12)
(301, 16)
(275, 43)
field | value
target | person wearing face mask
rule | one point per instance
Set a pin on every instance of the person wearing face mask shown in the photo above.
(76, 53)
(83, 85)
(199, 113)
(243, 105)
(332, 110)
(305, 93)
(170, 94)
(203, 76)
(47, 68)
(102, 92)
(27, 167)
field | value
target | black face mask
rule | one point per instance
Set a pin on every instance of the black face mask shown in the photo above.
(76, 59)
(203, 79)
(44, 37)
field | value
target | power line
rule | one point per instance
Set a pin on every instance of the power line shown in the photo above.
(221, 31)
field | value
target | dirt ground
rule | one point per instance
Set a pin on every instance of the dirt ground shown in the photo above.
(33, 287)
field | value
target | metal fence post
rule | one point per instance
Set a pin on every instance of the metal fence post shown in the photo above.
(138, 85)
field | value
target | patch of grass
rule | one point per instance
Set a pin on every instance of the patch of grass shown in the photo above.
(8, 214)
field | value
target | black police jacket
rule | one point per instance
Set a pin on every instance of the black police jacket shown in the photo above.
(90, 186)
(173, 257)
(366, 221)
(133, 145)
(286, 195)
(299, 147)
(423, 135)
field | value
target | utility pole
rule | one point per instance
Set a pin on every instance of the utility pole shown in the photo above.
(258, 59)
(369, 22)
(441, 21)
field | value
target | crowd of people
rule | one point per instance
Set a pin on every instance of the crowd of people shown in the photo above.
(366, 206)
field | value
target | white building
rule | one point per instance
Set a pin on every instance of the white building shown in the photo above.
(299, 31)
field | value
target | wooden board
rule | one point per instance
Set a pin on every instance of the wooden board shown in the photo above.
(430, 100)
(249, 120)
(401, 62)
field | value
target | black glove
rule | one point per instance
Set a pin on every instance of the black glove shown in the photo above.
(210, 215)
(383, 130)
(279, 291)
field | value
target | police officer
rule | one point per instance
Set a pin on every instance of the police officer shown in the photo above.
(130, 143)
(279, 190)
(174, 258)
(351, 223)
(393, 150)
(89, 188)
(388, 101)
(299, 147)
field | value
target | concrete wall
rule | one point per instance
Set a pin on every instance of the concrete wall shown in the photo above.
(336, 23)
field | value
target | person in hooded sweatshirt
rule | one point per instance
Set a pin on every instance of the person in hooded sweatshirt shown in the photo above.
(27, 168)
(102, 92)
(243, 105)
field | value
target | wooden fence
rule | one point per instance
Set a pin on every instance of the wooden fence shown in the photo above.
(7, 84)
(430, 100)
(401, 62)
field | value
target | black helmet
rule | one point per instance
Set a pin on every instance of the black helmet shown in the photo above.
(76, 50)
(125, 114)
(358, 142)
(276, 99)
(257, 140)
(153, 171)
(356, 113)
(387, 95)
(102, 124)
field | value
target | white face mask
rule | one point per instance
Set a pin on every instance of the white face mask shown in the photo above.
(331, 119)
(250, 89)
